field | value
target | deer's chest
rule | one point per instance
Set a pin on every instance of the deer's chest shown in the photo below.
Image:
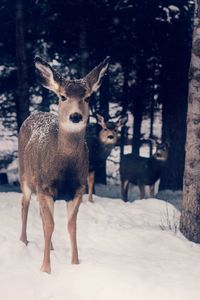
(65, 179)
(98, 155)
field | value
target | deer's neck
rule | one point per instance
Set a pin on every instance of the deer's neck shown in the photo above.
(106, 148)
(70, 143)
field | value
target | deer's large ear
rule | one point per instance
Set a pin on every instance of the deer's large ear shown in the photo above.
(100, 120)
(94, 78)
(166, 144)
(122, 121)
(47, 76)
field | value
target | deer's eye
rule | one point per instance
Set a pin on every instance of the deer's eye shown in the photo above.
(63, 98)
(105, 129)
(86, 99)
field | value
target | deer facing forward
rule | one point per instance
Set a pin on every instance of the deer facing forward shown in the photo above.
(53, 156)
(100, 144)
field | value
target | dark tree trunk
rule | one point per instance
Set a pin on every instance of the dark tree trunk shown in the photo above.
(138, 105)
(104, 111)
(138, 113)
(151, 126)
(44, 106)
(22, 99)
(124, 108)
(174, 131)
(104, 97)
(174, 93)
(82, 39)
(190, 215)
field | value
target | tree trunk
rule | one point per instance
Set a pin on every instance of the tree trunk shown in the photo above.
(82, 39)
(138, 104)
(137, 113)
(151, 135)
(190, 215)
(174, 131)
(100, 176)
(124, 103)
(174, 93)
(22, 101)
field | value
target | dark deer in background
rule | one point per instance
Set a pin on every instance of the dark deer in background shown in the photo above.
(53, 155)
(100, 144)
(142, 171)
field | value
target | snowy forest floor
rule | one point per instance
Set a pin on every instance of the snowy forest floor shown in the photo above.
(127, 251)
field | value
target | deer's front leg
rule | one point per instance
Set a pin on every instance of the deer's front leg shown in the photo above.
(91, 178)
(152, 190)
(72, 209)
(124, 190)
(46, 209)
(142, 191)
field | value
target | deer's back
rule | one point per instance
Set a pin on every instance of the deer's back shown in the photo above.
(139, 170)
(35, 135)
(42, 165)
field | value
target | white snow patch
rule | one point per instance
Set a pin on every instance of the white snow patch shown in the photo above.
(13, 172)
(8, 141)
(124, 254)
(174, 8)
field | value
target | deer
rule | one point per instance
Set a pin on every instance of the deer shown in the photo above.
(142, 171)
(53, 155)
(101, 139)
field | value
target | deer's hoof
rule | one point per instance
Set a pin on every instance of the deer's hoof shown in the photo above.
(24, 240)
(91, 200)
(75, 262)
(45, 269)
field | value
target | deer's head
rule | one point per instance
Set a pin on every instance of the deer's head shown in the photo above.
(109, 130)
(162, 150)
(72, 94)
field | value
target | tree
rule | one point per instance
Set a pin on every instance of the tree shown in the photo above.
(175, 47)
(22, 102)
(190, 215)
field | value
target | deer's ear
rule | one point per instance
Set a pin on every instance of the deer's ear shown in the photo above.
(166, 144)
(122, 121)
(94, 78)
(47, 76)
(100, 120)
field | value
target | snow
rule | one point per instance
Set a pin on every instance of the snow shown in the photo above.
(8, 141)
(174, 8)
(13, 172)
(126, 252)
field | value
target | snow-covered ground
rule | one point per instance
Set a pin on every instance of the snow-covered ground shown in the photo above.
(127, 251)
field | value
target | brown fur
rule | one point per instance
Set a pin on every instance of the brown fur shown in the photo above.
(53, 156)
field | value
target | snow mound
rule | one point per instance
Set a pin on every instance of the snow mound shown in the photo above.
(126, 249)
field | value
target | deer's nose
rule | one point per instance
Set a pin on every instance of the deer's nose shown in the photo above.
(110, 137)
(75, 117)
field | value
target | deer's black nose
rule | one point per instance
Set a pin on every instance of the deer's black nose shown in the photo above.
(158, 154)
(76, 117)
(110, 137)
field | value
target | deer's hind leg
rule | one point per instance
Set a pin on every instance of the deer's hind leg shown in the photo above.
(124, 190)
(24, 211)
(51, 247)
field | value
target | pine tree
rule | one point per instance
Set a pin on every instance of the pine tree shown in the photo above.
(190, 215)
